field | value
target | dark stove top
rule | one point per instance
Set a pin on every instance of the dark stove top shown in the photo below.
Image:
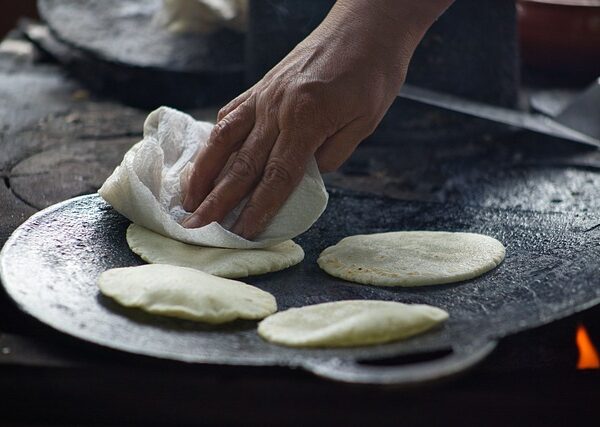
(57, 141)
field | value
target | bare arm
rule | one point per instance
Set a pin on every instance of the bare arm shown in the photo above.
(322, 99)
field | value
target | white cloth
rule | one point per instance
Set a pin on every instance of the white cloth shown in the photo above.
(146, 187)
(203, 16)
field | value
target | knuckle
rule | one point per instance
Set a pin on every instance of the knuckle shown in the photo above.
(219, 133)
(278, 174)
(268, 106)
(243, 167)
(223, 112)
(231, 106)
(305, 103)
(301, 99)
(211, 202)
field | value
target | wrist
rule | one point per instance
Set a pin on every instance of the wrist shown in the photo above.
(393, 25)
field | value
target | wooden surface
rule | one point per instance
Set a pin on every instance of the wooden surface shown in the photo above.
(57, 141)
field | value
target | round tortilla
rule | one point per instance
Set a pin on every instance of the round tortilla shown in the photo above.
(412, 258)
(231, 263)
(349, 323)
(185, 293)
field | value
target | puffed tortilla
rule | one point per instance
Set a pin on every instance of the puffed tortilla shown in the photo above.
(412, 258)
(185, 293)
(349, 323)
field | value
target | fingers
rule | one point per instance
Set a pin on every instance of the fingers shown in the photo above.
(339, 147)
(184, 179)
(225, 138)
(239, 180)
(283, 172)
(233, 104)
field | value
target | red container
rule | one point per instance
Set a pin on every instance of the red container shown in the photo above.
(561, 35)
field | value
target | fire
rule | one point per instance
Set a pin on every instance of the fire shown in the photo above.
(588, 356)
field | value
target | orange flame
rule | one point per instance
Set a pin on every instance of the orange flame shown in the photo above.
(588, 356)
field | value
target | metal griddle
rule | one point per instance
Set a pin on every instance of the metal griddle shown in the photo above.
(50, 265)
(116, 47)
(123, 31)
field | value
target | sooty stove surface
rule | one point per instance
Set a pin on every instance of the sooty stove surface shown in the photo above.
(57, 141)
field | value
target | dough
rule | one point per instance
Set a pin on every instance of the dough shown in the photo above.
(411, 258)
(232, 263)
(349, 323)
(146, 188)
(203, 16)
(185, 293)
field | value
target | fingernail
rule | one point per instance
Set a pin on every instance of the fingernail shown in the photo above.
(187, 223)
(194, 221)
(186, 204)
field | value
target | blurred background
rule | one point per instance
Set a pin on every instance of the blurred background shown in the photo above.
(12, 10)
(554, 34)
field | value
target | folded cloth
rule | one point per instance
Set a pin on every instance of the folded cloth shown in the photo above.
(146, 187)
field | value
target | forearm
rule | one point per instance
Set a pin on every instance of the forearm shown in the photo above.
(393, 28)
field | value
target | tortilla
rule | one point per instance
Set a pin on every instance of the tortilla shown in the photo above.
(185, 293)
(231, 263)
(412, 258)
(349, 323)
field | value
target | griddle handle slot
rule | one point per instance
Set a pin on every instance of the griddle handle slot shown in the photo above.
(451, 363)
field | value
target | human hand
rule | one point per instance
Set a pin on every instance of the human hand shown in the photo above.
(321, 100)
